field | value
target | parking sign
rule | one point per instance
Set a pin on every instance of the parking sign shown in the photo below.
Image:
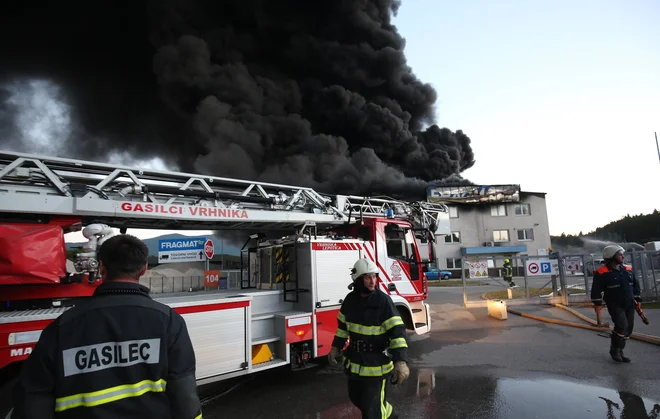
(538, 267)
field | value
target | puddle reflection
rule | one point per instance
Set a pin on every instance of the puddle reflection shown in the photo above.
(436, 395)
(467, 392)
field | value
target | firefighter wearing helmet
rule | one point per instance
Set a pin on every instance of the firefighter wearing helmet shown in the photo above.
(621, 293)
(507, 272)
(377, 348)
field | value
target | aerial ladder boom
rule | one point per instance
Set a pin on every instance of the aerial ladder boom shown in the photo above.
(141, 198)
(35, 187)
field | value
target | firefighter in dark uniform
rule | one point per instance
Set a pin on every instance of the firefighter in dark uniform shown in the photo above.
(507, 272)
(117, 354)
(369, 318)
(621, 292)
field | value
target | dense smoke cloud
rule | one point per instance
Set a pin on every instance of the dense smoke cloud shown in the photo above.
(309, 93)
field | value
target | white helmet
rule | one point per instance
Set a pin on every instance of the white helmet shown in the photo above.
(611, 250)
(363, 266)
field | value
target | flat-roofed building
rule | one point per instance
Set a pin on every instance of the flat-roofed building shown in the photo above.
(494, 220)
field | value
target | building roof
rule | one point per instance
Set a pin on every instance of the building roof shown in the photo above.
(478, 194)
(533, 193)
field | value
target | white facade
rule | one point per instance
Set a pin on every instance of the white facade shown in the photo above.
(505, 229)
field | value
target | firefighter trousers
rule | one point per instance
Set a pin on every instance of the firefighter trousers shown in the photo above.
(369, 395)
(624, 322)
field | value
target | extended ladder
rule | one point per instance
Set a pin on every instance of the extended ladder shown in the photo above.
(124, 196)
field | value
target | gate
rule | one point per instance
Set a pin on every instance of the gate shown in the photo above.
(551, 279)
(646, 266)
(556, 278)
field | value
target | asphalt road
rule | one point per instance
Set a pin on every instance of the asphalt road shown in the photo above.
(471, 366)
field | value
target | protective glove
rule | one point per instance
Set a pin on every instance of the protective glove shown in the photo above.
(638, 299)
(332, 356)
(401, 372)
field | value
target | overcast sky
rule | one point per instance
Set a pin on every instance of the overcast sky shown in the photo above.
(558, 96)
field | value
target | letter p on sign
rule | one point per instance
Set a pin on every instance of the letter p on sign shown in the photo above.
(211, 278)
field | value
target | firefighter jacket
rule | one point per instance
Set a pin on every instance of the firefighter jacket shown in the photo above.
(620, 287)
(117, 354)
(373, 325)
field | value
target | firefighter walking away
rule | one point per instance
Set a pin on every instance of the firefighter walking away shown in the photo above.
(507, 272)
(616, 285)
(368, 317)
(116, 354)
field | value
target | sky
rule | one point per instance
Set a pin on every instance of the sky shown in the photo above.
(559, 96)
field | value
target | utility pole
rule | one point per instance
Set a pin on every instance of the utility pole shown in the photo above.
(657, 145)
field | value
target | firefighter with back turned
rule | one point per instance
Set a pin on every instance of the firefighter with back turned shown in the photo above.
(368, 317)
(621, 293)
(116, 354)
(507, 272)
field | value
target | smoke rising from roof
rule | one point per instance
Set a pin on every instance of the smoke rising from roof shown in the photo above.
(309, 93)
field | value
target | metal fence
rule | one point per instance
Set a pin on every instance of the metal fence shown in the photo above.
(229, 279)
(560, 278)
(646, 266)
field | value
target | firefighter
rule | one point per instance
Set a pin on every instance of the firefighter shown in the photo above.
(507, 272)
(116, 354)
(377, 349)
(621, 292)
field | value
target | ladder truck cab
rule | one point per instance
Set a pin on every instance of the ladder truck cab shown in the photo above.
(285, 312)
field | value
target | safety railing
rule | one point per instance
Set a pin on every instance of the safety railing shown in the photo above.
(560, 278)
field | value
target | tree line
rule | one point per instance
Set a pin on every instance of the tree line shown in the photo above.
(639, 229)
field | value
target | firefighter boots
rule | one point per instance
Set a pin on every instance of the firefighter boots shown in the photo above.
(615, 353)
(623, 357)
(616, 348)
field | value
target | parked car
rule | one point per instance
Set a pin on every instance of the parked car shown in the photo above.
(435, 274)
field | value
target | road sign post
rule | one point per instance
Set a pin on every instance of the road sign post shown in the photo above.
(209, 251)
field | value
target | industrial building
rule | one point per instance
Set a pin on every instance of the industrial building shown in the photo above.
(493, 220)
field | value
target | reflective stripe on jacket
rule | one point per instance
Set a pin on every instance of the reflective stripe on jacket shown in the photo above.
(117, 354)
(373, 321)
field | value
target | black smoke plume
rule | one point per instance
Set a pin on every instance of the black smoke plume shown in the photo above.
(314, 93)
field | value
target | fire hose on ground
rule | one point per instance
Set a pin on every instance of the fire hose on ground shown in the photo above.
(593, 325)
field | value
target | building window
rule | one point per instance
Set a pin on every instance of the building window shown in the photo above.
(526, 234)
(523, 209)
(453, 263)
(453, 212)
(498, 210)
(501, 235)
(454, 237)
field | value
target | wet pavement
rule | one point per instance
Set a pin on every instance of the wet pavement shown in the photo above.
(466, 392)
(471, 366)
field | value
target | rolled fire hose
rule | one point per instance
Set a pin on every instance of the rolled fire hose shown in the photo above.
(655, 340)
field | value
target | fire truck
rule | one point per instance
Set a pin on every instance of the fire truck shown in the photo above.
(292, 286)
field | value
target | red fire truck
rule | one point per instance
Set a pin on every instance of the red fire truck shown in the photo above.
(292, 287)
